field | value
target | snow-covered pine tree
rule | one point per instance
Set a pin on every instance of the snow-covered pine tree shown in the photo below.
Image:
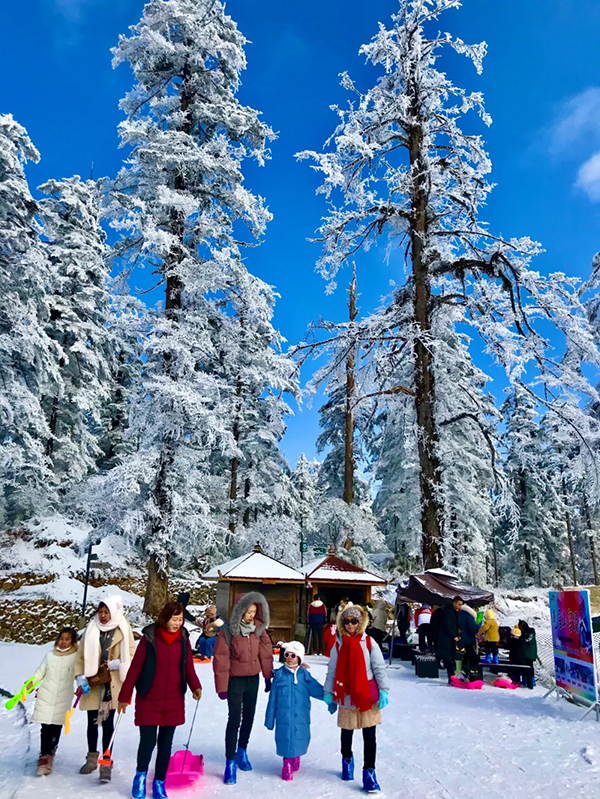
(533, 531)
(181, 205)
(74, 244)
(254, 374)
(469, 462)
(304, 481)
(28, 358)
(405, 169)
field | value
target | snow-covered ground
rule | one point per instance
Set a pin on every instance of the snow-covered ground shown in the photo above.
(435, 743)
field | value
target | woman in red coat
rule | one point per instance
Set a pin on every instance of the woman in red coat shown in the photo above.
(161, 670)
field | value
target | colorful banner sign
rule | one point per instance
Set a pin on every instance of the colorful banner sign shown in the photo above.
(573, 643)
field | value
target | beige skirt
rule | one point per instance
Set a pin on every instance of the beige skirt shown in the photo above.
(350, 718)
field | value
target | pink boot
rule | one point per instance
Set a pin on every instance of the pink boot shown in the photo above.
(287, 773)
(296, 764)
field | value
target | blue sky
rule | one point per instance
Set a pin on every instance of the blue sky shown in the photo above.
(541, 81)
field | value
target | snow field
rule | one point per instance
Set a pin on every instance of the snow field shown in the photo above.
(435, 743)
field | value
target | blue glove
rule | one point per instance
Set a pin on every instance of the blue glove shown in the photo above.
(328, 698)
(383, 699)
(83, 684)
(332, 708)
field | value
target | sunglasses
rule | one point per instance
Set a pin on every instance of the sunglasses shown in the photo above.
(350, 622)
(291, 655)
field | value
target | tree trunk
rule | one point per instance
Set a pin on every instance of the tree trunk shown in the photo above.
(588, 520)
(158, 579)
(571, 549)
(348, 496)
(157, 588)
(427, 438)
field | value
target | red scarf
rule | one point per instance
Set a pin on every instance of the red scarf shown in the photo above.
(351, 674)
(168, 637)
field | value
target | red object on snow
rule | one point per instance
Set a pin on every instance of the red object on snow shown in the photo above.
(503, 682)
(329, 634)
(475, 685)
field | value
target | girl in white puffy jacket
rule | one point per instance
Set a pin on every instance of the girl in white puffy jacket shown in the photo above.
(54, 695)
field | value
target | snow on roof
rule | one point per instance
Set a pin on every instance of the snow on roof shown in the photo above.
(440, 571)
(254, 566)
(333, 568)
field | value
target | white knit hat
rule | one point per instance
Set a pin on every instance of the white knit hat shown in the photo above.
(296, 647)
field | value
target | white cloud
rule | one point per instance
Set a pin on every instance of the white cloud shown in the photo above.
(577, 124)
(588, 177)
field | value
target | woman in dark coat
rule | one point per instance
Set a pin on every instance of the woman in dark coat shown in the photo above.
(161, 670)
(525, 650)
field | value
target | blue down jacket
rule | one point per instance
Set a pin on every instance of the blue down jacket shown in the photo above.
(289, 710)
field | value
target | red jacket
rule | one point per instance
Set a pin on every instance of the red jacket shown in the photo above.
(317, 614)
(237, 655)
(162, 666)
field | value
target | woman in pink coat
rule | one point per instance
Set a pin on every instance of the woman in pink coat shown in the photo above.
(161, 670)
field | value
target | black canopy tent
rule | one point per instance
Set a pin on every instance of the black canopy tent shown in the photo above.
(436, 587)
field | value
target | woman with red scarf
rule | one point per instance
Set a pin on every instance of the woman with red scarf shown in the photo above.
(357, 684)
(161, 670)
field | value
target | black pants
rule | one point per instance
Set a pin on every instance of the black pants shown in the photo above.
(491, 648)
(424, 637)
(470, 659)
(376, 635)
(49, 738)
(163, 752)
(449, 665)
(529, 675)
(241, 698)
(369, 745)
(316, 638)
(108, 725)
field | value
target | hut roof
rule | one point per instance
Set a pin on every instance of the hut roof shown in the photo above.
(334, 569)
(254, 566)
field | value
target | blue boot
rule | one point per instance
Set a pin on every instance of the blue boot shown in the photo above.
(230, 776)
(486, 659)
(495, 660)
(348, 768)
(158, 789)
(138, 789)
(241, 760)
(370, 783)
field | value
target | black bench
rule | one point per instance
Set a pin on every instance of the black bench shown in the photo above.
(507, 668)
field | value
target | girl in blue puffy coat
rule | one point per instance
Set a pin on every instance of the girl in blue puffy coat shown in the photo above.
(288, 710)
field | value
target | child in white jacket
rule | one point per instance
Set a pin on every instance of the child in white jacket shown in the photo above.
(54, 695)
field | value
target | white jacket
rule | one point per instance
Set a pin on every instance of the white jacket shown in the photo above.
(55, 693)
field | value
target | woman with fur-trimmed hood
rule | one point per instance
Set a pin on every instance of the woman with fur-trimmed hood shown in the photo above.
(357, 683)
(243, 650)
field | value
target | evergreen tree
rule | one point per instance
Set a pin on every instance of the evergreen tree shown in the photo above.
(404, 168)
(74, 244)
(28, 358)
(180, 203)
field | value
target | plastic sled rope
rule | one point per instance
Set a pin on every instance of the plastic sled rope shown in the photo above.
(474, 685)
(184, 767)
(503, 682)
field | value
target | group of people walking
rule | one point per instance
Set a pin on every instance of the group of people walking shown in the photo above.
(106, 667)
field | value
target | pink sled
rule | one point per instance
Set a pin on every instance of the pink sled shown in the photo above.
(502, 682)
(184, 769)
(474, 685)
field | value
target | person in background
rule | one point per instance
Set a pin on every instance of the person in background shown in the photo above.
(378, 628)
(183, 599)
(357, 683)
(467, 623)
(317, 618)
(403, 619)
(423, 623)
(525, 651)
(211, 624)
(54, 695)
(435, 624)
(288, 710)
(101, 664)
(243, 650)
(335, 611)
(490, 635)
(161, 670)
(449, 636)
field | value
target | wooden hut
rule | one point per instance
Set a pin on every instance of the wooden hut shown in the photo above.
(280, 585)
(334, 578)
